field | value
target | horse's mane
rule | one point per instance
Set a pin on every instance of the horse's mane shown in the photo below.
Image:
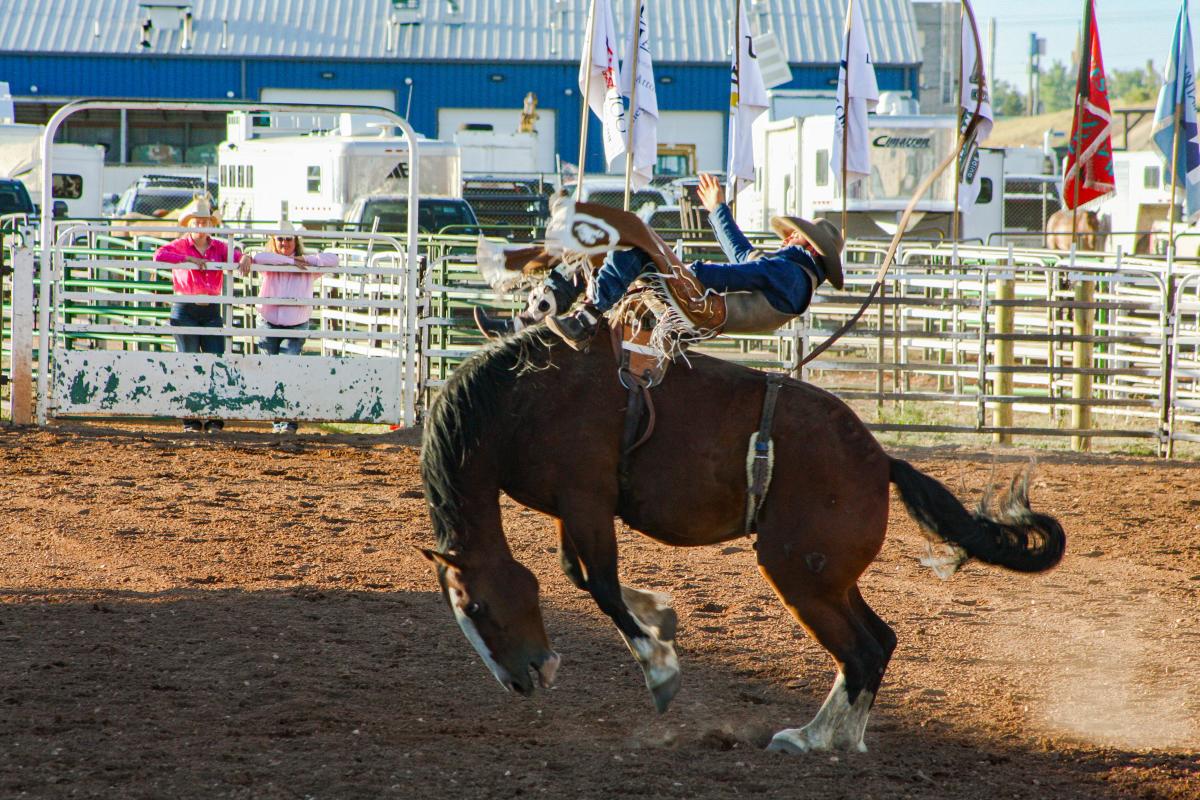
(463, 410)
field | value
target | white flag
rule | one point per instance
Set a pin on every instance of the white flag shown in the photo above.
(974, 98)
(603, 96)
(645, 116)
(747, 100)
(864, 97)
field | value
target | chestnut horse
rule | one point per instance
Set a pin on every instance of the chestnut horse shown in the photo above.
(532, 418)
(1088, 226)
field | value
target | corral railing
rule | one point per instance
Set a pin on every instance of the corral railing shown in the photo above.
(108, 345)
(1009, 344)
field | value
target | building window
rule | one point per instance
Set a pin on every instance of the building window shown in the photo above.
(822, 168)
(1151, 177)
(250, 176)
(314, 180)
(68, 187)
(240, 177)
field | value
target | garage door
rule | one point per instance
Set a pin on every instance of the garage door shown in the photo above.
(705, 129)
(502, 120)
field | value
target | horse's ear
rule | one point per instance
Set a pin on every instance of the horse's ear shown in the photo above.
(446, 560)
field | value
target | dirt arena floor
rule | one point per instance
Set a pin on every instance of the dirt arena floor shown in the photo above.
(236, 616)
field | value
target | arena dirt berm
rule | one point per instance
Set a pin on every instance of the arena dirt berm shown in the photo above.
(240, 617)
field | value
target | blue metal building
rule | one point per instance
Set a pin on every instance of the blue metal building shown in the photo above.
(425, 56)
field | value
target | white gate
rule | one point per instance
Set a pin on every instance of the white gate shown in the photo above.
(109, 351)
(100, 346)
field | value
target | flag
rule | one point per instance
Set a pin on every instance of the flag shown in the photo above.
(645, 116)
(863, 95)
(747, 100)
(1180, 150)
(603, 96)
(974, 100)
(1089, 172)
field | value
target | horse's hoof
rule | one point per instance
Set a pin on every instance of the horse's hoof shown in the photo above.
(789, 742)
(665, 692)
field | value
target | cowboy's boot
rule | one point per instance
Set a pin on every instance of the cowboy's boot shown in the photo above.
(493, 327)
(578, 328)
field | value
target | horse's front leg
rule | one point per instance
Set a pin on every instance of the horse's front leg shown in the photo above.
(644, 619)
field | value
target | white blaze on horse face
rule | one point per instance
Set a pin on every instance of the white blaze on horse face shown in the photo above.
(472, 633)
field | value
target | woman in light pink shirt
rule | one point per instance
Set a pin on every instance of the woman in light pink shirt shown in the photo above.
(286, 249)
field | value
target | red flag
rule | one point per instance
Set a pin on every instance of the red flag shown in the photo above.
(1089, 156)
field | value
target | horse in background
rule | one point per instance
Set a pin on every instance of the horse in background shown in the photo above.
(1088, 226)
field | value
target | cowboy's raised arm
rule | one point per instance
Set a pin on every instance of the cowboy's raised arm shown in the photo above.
(735, 244)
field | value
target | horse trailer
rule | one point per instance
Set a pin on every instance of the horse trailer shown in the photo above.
(285, 166)
(795, 177)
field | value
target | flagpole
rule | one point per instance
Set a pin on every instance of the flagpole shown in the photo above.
(587, 90)
(846, 117)
(731, 179)
(959, 142)
(1175, 167)
(633, 114)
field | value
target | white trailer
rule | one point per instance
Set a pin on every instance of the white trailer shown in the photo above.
(1136, 213)
(78, 169)
(795, 178)
(270, 168)
(487, 152)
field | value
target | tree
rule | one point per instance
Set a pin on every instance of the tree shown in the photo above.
(1134, 87)
(1007, 100)
(1058, 87)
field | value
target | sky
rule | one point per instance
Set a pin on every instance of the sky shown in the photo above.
(1131, 31)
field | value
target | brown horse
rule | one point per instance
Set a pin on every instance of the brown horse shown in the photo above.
(1088, 226)
(530, 417)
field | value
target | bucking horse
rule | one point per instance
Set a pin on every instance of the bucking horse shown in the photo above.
(733, 452)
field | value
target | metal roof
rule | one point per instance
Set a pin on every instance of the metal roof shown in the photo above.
(687, 31)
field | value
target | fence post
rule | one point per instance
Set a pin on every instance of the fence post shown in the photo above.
(1170, 343)
(1006, 289)
(1081, 412)
(22, 337)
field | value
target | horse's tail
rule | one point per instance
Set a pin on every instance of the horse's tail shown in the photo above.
(1013, 535)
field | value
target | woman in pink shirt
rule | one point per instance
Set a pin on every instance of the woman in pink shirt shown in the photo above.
(286, 249)
(194, 251)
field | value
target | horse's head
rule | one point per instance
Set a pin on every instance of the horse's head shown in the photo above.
(496, 605)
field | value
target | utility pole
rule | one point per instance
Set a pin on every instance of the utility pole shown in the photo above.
(1037, 49)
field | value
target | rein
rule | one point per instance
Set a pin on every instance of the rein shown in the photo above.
(964, 136)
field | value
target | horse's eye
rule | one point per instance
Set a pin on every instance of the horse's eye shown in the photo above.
(473, 609)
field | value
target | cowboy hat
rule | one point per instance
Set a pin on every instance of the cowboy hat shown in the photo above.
(200, 208)
(822, 235)
(287, 228)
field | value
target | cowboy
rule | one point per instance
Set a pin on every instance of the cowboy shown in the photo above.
(810, 253)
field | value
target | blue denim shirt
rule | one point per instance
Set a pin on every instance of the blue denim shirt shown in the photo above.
(780, 275)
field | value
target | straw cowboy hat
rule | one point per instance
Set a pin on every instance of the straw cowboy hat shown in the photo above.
(287, 228)
(200, 209)
(822, 235)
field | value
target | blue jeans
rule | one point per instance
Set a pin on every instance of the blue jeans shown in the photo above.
(196, 315)
(274, 345)
(621, 268)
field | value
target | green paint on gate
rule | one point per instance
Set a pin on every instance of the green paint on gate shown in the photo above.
(218, 397)
(109, 398)
(81, 391)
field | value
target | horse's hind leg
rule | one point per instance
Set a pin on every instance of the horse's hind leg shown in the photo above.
(836, 619)
(644, 619)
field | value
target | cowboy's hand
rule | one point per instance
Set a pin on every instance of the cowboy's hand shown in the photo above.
(197, 261)
(299, 262)
(712, 193)
(244, 264)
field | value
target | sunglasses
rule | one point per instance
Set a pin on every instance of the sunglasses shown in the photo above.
(285, 238)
